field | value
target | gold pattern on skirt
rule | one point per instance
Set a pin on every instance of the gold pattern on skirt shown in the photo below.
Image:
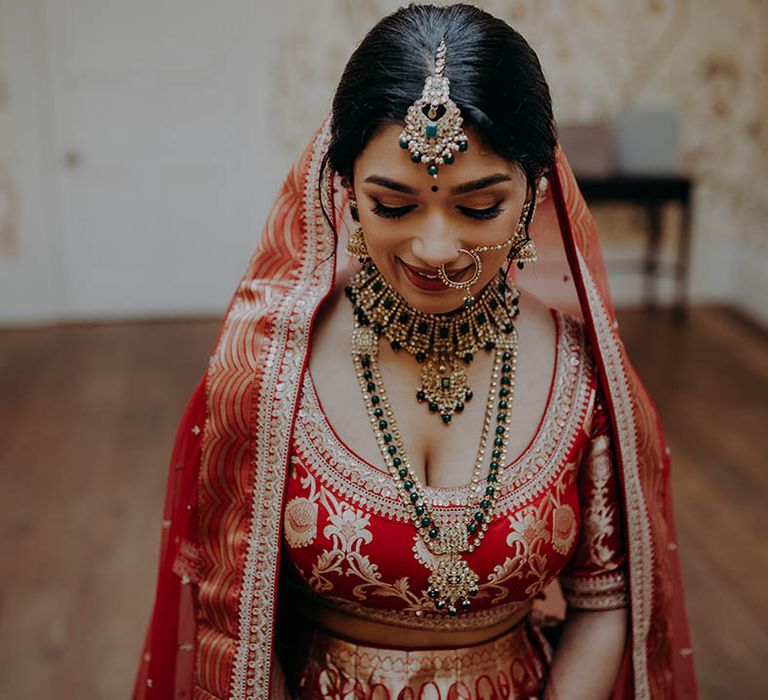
(510, 666)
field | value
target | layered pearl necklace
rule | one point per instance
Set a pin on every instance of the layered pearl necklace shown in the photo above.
(452, 582)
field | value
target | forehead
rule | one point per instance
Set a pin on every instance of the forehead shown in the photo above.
(384, 156)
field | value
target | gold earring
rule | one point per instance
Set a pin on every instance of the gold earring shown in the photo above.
(356, 242)
(523, 249)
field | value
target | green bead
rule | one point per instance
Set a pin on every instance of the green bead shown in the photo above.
(485, 504)
(365, 361)
(374, 399)
(377, 285)
(402, 473)
(414, 497)
(378, 413)
(506, 356)
(501, 417)
(392, 450)
(496, 454)
(430, 130)
(367, 374)
(492, 479)
(404, 143)
(468, 357)
(502, 404)
(397, 461)
(416, 157)
(371, 386)
(493, 466)
(433, 533)
(387, 437)
(479, 516)
(498, 442)
(463, 146)
(448, 159)
(472, 527)
(383, 424)
(407, 484)
(426, 522)
(420, 510)
(505, 380)
(500, 430)
(506, 368)
(432, 169)
(469, 302)
(503, 391)
(404, 317)
(489, 490)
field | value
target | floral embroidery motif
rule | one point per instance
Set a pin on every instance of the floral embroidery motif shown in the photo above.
(564, 529)
(300, 522)
(599, 514)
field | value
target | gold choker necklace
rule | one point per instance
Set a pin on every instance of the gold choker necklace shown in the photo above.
(444, 344)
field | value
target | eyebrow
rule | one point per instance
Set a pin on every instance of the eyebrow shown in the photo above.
(480, 184)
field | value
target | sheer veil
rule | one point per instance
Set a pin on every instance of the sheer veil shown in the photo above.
(212, 629)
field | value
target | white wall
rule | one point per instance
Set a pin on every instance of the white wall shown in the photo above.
(184, 115)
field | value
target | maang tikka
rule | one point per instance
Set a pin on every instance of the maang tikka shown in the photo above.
(433, 131)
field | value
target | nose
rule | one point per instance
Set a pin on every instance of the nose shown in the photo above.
(435, 245)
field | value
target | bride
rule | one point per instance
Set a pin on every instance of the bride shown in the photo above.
(427, 468)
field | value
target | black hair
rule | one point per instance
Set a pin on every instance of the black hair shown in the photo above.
(495, 76)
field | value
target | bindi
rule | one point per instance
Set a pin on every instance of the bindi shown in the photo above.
(435, 188)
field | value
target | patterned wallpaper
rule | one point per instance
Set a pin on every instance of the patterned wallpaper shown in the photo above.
(707, 59)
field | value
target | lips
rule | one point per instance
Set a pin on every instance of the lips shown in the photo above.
(427, 279)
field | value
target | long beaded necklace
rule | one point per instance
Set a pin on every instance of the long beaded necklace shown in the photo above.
(444, 344)
(452, 583)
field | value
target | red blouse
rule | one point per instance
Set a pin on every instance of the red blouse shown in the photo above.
(352, 546)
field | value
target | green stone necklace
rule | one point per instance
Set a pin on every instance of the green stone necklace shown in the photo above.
(452, 582)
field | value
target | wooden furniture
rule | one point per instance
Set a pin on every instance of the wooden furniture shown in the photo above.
(652, 192)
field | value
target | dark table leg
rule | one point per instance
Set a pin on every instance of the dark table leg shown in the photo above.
(651, 265)
(682, 264)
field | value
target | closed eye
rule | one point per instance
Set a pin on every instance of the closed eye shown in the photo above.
(489, 213)
(391, 212)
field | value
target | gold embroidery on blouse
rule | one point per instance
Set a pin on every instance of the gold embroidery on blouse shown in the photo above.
(533, 472)
(599, 514)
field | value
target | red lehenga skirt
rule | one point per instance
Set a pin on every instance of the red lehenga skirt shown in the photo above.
(512, 665)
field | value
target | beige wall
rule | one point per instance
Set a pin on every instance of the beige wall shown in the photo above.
(258, 78)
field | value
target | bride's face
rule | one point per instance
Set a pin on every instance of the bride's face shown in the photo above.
(413, 223)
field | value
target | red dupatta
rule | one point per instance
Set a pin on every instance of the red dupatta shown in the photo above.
(212, 630)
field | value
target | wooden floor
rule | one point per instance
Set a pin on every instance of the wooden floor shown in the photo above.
(87, 415)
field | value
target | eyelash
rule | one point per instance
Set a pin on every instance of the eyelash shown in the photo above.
(399, 212)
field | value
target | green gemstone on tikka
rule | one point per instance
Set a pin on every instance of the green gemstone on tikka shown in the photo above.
(430, 130)
(404, 142)
(463, 146)
(448, 159)
(445, 382)
(432, 169)
(416, 157)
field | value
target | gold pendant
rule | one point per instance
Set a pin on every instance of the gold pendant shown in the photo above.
(452, 584)
(444, 386)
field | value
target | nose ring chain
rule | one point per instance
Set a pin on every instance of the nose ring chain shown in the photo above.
(474, 253)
